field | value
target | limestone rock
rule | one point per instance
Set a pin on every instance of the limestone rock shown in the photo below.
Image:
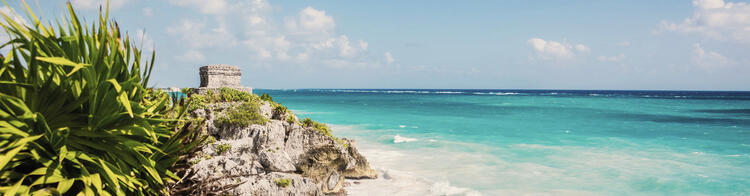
(276, 161)
(315, 163)
(266, 185)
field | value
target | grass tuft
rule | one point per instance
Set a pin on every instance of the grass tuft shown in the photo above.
(221, 148)
(282, 182)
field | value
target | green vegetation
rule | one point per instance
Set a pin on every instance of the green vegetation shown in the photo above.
(195, 161)
(200, 158)
(282, 182)
(221, 148)
(307, 122)
(280, 112)
(243, 115)
(76, 116)
(323, 129)
(196, 102)
(320, 127)
(266, 97)
(202, 101)
(186, 91)
(280, 109)
(247, 113)
(232, 95)
(290, 119)
(210, 140)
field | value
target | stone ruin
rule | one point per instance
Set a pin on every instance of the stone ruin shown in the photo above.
(217, 76)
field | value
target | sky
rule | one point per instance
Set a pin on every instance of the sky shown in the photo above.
(514, 44)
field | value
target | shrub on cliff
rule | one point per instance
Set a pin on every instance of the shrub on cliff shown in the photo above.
(221, 148)
(266, 97)
(196, 102)
(320, 127)
(242, 115)
(76, 116)
(280, 112)
(202, 101)
(233, 95)
(245, 114)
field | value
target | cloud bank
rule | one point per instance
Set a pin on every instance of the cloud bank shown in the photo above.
(556, 51)
(307, 38)
(716, 19)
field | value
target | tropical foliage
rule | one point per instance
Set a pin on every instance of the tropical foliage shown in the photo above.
(76, 116)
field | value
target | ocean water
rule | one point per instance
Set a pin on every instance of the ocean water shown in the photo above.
(540, 142)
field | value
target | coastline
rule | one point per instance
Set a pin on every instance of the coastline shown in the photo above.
(256, 146)
(394, 180)
(548, 142)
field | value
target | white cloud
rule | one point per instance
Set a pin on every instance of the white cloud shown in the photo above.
(582, 48)
(716, 19)
(341, 45)
(216, 7)
(389, 58)
(270, 47)
(191, 56)
(708, 59)
(310, 25)
(197, 35)
(345, 48)
(307, 38)
(94, 4)
(553, 50)
(313, 20)
(147, 11)
(255, 15)
(617, 58)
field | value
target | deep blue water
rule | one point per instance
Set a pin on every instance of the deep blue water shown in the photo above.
(562, 142)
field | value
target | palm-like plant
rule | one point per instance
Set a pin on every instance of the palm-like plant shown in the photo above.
(76, 116)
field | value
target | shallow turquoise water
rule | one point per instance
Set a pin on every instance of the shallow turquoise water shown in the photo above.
(547, 142)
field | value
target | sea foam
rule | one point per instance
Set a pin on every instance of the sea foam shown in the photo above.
(394, 182)
(400, 139)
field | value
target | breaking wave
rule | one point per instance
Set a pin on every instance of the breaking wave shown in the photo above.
(400, 139)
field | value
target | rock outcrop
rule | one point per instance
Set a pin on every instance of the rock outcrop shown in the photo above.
(281, 157)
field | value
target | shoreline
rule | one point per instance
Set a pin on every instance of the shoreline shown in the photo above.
(394, 181)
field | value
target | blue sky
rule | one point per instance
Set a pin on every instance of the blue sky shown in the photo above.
(698, 45)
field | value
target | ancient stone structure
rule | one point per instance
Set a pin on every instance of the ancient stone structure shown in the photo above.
(217, 76)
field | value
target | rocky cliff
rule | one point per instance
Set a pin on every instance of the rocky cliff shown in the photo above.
(278, 156)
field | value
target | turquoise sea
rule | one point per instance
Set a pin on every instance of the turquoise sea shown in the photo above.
(541, 142)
